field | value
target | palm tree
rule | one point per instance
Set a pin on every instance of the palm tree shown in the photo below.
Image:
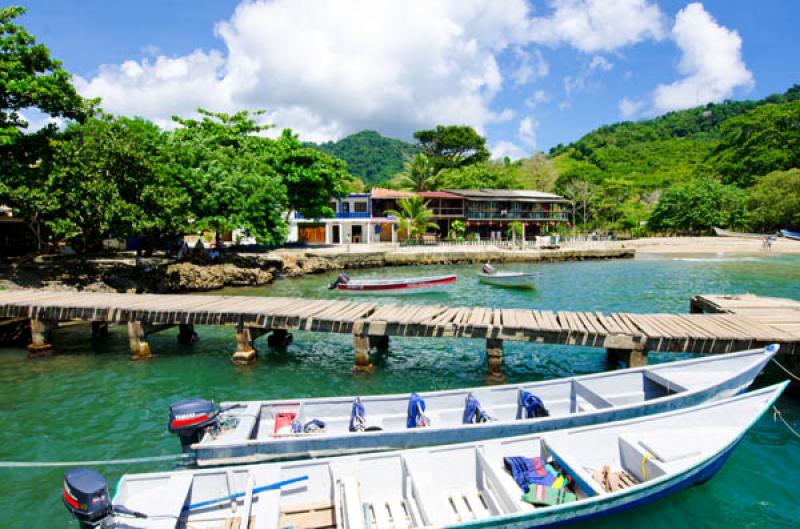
(414, 216)
(418, 174)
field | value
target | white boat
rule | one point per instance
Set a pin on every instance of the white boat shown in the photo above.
(509, 279)
(725, 233)
(601, 469)
(255, 431)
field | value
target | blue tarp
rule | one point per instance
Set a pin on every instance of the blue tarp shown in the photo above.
(528, 471)
(529, 406)
(357, 416)
(416, 412)
(473, 413)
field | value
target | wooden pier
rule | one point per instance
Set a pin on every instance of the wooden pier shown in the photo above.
(734, 323)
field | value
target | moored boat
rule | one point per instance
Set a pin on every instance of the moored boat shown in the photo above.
(795, 236)
(528, 481)
(725, 233)
(254, 431)
(494, 277)
(406, 285)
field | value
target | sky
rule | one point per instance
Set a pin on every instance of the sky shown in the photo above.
(527, 74)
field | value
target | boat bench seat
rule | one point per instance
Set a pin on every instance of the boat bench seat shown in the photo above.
(248, 418)
(639, 460)
(267, 509)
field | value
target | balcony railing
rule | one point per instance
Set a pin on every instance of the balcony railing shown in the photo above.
(339, 215)
(515, 215)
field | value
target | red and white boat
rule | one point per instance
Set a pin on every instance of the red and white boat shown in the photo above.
(344, 282)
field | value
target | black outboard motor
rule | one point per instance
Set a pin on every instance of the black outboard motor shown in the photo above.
(86, 497)
(190, 419)
(341, 280)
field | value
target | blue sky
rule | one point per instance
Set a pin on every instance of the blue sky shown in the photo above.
(529, 75)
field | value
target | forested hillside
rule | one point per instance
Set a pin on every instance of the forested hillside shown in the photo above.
(371, 157)
(621, 172)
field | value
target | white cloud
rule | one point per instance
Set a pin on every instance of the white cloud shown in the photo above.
(538, 97)
(501, 149)
(37, 119)
(600, 62)
(711, 62)
(527, 132)
(628, 108)
(598, 25)
(330, 68)
(530, 66)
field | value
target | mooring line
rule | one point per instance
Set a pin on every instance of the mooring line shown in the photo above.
(785, 370)
(131, 461)
(776, 414)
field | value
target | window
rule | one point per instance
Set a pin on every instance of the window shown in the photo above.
(360, 207)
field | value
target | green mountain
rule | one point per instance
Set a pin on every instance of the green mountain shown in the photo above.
(370, 156)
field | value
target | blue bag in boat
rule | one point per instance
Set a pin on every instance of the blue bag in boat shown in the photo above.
(528, 471)
(357, 416)
(416, 412)
(530, 406)
(473, 413)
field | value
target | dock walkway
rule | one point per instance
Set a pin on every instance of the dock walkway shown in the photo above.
(732, 322)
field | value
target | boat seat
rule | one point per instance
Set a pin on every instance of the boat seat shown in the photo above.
(351, 503)
(664, 381)
(267, 509)
(431, 503)
(595, 400)
(248, 418)
(638, 460)
(164, 503)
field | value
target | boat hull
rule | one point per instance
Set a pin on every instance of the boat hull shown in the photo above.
(406, 286)
(509, 280)
(791, 235)
(259, 450)
(725, 233)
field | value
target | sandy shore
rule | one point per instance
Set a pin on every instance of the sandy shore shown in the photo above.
(717, 246)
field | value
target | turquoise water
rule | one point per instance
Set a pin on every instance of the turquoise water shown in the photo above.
(91, 402)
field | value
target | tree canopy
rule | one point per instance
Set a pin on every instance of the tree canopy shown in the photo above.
(369, 156)
(452, 146)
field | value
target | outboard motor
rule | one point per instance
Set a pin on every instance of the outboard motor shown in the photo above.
(86, 497)
(488, 269)
(341, 280)
(190, 419)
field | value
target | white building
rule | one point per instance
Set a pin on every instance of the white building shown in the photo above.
(352, 223)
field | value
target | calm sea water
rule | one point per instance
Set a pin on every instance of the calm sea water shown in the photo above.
(91, 402)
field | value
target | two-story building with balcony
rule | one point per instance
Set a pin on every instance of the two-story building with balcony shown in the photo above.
(353, 222)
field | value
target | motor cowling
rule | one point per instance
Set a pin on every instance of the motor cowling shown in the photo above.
(190, 419)
(86, 497)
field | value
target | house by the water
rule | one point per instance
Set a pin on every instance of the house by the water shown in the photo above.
(486, 214)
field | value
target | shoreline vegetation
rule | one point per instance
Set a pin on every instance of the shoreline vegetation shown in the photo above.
(161, 274)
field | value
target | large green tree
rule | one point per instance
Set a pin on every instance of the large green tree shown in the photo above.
(418, 174)
(485, 175)
(775, 201)
(452, 146)
(698, 206)
(30, 80)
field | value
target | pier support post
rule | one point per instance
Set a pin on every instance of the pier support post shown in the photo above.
(40, 338)
(245, 336)
(381, 343)
(361, 344)
(623, 349)
(279, 338)
(494, 359)
(186, 334)
(140, 348)
(99, 330)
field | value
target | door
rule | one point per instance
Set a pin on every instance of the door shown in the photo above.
(337, 235)
(312, 234)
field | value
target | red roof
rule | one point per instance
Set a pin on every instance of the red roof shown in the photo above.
(380, 192)
(438, 194)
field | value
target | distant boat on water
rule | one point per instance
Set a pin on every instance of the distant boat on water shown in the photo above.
(791, 235)
(415, 284)
(725, 233)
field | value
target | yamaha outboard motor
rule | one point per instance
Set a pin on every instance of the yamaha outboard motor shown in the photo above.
(341, 280)
(190, 419)
(86, 497)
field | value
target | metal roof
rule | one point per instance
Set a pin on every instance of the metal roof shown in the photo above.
(508, 194)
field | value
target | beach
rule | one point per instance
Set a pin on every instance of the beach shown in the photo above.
(716, 246)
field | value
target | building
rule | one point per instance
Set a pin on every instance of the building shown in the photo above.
(486, 213)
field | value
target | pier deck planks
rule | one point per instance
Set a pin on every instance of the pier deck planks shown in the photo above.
(731, 322)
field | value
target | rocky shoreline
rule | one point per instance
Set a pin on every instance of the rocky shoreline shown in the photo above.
(161, 275)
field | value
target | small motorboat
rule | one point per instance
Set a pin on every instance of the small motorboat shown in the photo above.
(252, 431)
(491, 276)
(793, 235)
(743, 235)
(575, 474)
(403, 285)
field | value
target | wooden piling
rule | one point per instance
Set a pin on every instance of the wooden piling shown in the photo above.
(245, 336)
(381, 343)
(494, 359)
(280, 338)
(186, 334)
(40, 338)
(140, 348)
(624, 349)
(362, 361)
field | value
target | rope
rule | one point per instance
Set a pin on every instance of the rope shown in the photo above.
(785, 370)
(645, 458)
(776, 414)
(44, 464)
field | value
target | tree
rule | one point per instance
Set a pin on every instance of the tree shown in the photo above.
(485, 175)
(418, 174)
(775, 200)
(30, 78)
(109, 180)
(582, 193)
(458, 229)
(452, 146)
(698, 206)
(229, 173)
(414, 216)
(537, 172)
(369, 156)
